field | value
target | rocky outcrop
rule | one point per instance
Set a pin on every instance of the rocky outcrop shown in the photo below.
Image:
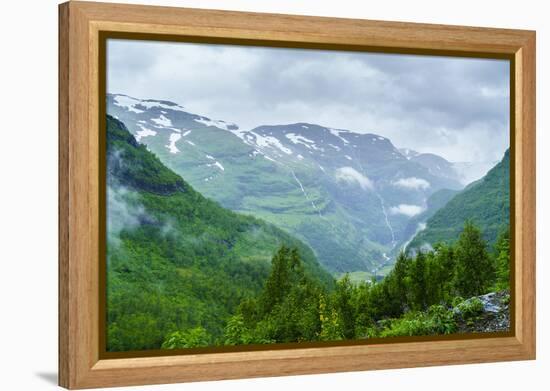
(483, 314)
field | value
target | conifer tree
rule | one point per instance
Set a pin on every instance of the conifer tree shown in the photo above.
(399, 275)
(418, 282)
(474, 271)
(278, 282)
(502, 259)
(343, 303)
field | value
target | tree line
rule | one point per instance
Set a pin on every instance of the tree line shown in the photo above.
(415, 298)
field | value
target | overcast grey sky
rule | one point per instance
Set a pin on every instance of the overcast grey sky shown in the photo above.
(455, 107)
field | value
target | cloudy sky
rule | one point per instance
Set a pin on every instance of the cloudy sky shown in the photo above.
(457, 108)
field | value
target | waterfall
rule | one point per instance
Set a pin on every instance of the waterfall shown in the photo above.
(393, 242)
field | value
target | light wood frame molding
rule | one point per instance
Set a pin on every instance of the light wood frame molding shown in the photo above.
(80, 24)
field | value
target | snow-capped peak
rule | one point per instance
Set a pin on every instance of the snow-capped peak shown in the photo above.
(130, 104)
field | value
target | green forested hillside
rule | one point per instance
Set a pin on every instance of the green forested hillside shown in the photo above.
(485, 202)
(176, 260)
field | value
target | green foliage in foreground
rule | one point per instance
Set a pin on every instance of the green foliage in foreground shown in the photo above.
(436, 320)
(421, 296)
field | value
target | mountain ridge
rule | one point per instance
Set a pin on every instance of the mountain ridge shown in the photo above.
(349, 196)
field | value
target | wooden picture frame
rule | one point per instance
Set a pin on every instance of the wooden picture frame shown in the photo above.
(81, 24)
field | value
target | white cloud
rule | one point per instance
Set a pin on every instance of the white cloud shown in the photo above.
(413, 183)
(406, 209)
(351, 175)
(455, 107)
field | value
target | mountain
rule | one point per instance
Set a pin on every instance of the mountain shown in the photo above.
(349, 196)
(463, 172)
(485, 202)
(437, 165)
(177, 260)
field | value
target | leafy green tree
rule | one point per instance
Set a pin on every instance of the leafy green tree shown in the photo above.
(193, 338)
(236, 332)
(474, 270)
(331, 328)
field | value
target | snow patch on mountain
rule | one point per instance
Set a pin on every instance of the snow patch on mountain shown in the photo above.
(144, 132)
(351, 175)
(336, 132)
(174, 137)
(162, 121)
(413, 183)
(153, 103)
(296, 139)
(269, 142)
(217, 164)
(128, 103)
(408, 153)
(216, 123)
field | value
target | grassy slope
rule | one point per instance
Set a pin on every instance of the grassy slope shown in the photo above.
(176, 259)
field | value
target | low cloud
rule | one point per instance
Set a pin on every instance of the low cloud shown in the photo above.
(124, 211)
(351, 175)
(406, 209)
(413, 183)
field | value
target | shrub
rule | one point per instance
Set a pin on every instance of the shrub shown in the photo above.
(470, 308)
(437, 320)
(194, 338)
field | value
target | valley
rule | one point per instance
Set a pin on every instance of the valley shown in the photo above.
(354, 198)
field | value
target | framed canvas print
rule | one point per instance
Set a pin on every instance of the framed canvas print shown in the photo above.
(247, 195)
